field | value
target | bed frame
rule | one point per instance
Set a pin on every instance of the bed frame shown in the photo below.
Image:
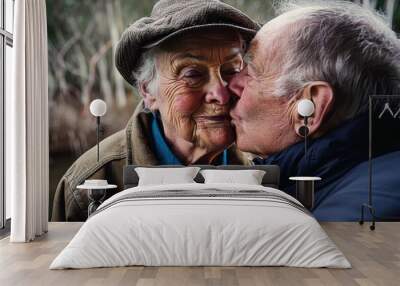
(270, 179)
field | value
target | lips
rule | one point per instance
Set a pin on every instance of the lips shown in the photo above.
(213, 118)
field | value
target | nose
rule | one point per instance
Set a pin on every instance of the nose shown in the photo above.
(217, 91)
(236, 85)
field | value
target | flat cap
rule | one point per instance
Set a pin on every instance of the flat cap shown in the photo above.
(170, 18)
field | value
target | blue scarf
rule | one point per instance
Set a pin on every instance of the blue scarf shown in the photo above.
(335, 153)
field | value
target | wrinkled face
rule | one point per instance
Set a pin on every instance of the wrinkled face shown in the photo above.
(193, 99)
(262, 119)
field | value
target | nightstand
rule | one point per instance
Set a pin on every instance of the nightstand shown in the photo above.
(96, 193)
(305, 190)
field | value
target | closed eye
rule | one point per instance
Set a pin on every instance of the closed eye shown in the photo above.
(193, 76)
(192, 73)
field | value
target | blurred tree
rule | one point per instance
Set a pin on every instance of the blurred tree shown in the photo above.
(82, 37)
(259, 10)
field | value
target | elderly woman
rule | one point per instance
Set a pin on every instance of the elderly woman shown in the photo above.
(181, 60)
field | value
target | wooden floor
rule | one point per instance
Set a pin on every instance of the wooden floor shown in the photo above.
(374, 255)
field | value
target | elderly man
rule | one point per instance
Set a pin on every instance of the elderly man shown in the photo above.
(181, 59)
(336, 54)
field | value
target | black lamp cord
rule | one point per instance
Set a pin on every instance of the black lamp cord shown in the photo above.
(305, 140)
(98, 137)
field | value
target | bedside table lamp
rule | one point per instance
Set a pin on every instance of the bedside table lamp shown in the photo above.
(96, 188)
(305, 108)
(305, 184)
(98, 108)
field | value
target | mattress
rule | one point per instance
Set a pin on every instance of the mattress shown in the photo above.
(201, 225)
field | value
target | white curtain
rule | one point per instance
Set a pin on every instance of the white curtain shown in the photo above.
(27, 124)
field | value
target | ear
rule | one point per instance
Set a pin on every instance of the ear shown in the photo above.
(321, 94)
(150, 99)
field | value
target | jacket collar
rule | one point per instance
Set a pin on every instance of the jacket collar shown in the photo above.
(138, 138)
(333, 154)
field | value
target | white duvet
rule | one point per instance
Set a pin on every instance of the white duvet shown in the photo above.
(182, 231)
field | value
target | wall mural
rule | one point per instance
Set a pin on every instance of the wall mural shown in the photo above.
(176, 96)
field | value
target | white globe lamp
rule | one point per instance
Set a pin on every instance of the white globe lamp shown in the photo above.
(305, 107)
(98, 108)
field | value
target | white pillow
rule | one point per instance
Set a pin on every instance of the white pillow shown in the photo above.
(164, 176)
(248, 177)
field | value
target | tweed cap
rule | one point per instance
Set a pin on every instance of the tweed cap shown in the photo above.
(174, 17)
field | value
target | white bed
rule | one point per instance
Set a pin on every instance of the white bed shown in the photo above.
(224, 225)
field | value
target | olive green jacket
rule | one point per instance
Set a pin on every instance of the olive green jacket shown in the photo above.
(133, 145)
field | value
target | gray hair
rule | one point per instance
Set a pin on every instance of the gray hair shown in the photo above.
(147, 71)
(350, 47)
